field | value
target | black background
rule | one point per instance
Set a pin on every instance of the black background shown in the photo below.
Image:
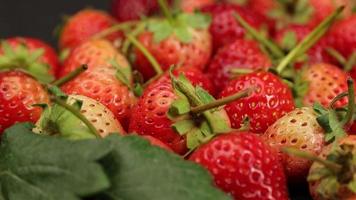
(38, 18)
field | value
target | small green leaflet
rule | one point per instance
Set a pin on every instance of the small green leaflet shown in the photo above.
(22, 59)
(289, 40)
(35, 167)
(56, 120)
(180, 27)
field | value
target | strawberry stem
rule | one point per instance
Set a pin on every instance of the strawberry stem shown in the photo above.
(302, 154)
(272, 47)
(75, 112)
(309, 40)
(335, 54)
(239, 71)
(115, 28)
(221, 102)
(351, 104)
(165, 9)
(70, 76)
(351, 62)
(126, 45)
(156, 66)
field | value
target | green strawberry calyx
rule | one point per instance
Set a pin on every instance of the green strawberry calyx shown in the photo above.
(179, 24)
(63, 118)
(197, 114)
(21, 58)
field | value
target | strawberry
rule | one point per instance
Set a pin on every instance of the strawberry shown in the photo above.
(94, 53)
(193, 5)
(188, 44)
(298, 129)
(126, 10)
(83, 25)
(270, 100)
(155, 142)
(103, 85)
(47, 55)
(334, 179)
(243, 166)
(57, 120)
(324, 83)
(224, 28)
(241, 54)
(149, 116)
(18, 92)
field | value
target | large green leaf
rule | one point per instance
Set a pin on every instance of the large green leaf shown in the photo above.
(140, 171)
(35, 167)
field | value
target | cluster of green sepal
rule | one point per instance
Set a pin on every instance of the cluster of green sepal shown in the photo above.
(21, 58)
(36, 167)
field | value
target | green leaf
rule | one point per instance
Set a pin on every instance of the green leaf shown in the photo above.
(352, 184)
(55, 90)
(183, 126)
(328, 188)
(182, 33)
(56, 120)
(289, 40)
(204, 95)
(195, 20)
(139, 171)
(35, 167)
(180, 106)
(161, 30)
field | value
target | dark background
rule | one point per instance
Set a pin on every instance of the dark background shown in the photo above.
(38, 18)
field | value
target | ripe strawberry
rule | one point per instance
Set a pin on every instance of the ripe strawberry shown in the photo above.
(83, 25)
(243, 166)
(149, 116)
(270, 100)
(193, 5)
(298, 129)
(321, 178)
(241, 54)
(48, 56)
(102, 85)
(18, 92)
(224, 28)
(170, 51)
(126, 10)
(325, 82)
(156, 142)
(94, 53)
(263, 7)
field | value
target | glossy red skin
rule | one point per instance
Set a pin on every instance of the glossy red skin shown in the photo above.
(243, 166)
(126, 10)
(18, 92)
(316, 53)
(156, 142)
(171, 51)
(149, 116)
(49, 56)
(270, 100)
(102, 85)
(224, 28)
(343, 36)
(239, 54)
(83, 25)
(263, 7)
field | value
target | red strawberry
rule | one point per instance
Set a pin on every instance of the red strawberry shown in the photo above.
(224, 27)
(171, 50)
(94, 53)
(156, 142)
(298, 129)
(48, 57)
(241, 54)
(149, 116)
(102, 85)
(83, 25)
(243, 166)
(193, 5)
(270, 100)
(325, 82)
(126, 10)
(18, 92)
(263, 7)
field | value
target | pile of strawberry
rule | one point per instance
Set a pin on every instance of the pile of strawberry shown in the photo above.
(259, 92)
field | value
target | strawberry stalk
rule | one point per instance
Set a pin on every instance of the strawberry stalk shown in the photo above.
(351, 104)
(165, 9)
(126, 26)
(75, 112)
(348, 64)
(309, 40)
(126, 45)
(351, 62)
(156, 66)
(221, 102)
(70, 76)
(272, 47)
(336, 168)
